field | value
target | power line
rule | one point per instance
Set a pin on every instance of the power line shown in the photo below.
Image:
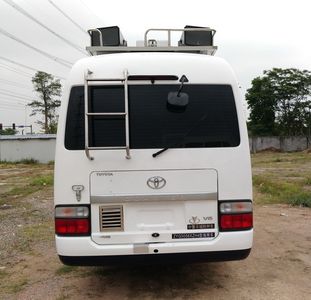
(16, 96)
(14, 69)
(12, 105)
(19, 64)
(61, 61)
(66, 16)
(5, 95)
(14, 102)
(25, 66)
(9, 102)
(13, 83)
(18, 72)
(25, 13)
(11, 108)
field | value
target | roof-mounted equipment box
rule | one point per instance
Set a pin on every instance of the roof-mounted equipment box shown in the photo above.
(197, 37)
(107, 36)
(194, 40)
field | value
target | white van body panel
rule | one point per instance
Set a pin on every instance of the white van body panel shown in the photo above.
(226, 241)
(216, 173)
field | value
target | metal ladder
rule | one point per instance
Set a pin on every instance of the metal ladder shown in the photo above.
(88, 114)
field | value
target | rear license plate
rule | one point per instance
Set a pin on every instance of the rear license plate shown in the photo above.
(198, 235)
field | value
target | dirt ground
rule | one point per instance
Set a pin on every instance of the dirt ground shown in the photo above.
(279, 266)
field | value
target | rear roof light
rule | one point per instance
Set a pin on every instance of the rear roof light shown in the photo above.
(152, 77)
(71, 212)
(236, 207)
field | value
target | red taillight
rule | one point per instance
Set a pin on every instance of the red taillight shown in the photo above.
(236, 221)
(72, 226)
(72, 220)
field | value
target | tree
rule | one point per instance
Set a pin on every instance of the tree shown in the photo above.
(8, 131)
(48, 89)
(261, 103)
(280, 102)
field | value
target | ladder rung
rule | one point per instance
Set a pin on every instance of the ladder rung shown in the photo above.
(107, 148)
(87, 83)
(106, 114)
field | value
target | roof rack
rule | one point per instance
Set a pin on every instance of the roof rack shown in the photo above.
(193, 40)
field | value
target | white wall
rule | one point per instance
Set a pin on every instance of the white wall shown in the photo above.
(42, 147)
(38, 147)
(285, 144)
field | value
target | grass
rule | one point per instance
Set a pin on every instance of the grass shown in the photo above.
(274, 191)
(278, 178)
(18, 192)
(308, 181)
(63, 270)
(14, 287)
(3, 274)
(282, 178)
(280, 159)
(25, 161)
(43, 180)
(41, 231)
(28, 161)
(62, 297)
(18, 286)
(34, 184)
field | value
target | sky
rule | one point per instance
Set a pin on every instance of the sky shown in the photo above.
(48, 35)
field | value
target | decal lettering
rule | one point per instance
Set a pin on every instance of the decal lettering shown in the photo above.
(104, 174)
(201, 226)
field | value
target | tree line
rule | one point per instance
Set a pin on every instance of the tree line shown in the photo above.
(280, 103)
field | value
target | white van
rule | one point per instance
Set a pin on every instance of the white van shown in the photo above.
(152, 157)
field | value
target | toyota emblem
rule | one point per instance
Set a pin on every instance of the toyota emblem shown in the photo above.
(156, 182)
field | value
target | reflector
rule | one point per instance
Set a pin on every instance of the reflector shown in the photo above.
(236, 222)
(72, 226)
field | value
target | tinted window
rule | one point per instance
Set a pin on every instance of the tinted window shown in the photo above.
(74, 135)
(106, 131)
(209, 120)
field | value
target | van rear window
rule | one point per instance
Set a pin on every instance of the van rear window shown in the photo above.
(209, 120)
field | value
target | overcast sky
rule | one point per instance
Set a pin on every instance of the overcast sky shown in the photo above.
(251, 35)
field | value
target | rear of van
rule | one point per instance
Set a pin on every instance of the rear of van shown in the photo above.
(139, 179)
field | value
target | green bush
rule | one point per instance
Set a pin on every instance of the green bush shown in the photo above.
(274, 191)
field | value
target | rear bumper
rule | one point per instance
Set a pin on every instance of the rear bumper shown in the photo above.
(143, 259)
(226, 246)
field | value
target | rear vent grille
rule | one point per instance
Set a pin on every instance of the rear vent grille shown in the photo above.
(111, 218)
